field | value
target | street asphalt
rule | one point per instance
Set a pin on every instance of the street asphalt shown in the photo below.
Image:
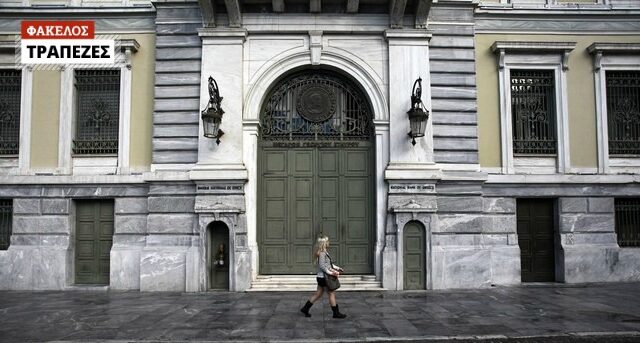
(533, 313)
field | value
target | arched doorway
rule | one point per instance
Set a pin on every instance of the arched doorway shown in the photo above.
(218, 256)
(315, 173)
(414, 256)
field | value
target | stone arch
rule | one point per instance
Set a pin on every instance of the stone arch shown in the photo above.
(268, 75)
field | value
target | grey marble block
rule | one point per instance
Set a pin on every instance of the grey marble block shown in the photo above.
(168, 204)
(499, 205)
(130, 224)
(601, 205)
(55, 206)
(187, 188)
(589, 263)
(578, 238)
(162, 270)
(209, 202)
(129, 240)
(171, 223)
(46, 240)
(455, 267)
(41, 224)
(33, 268)
(125, 268)
(505, 265)
(587, 223)
(111, 191)
(460, 239)
(573, 205)
(131, 206)
(456, 223)
(242, 271)
(499, 223)
(460, 204)
(389, 268)
(422, 201)
(628, 267)
(26, 206)
(165, 240)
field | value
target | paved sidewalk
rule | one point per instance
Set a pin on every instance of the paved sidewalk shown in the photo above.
(550, 313)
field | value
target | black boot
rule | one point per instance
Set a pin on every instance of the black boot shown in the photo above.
(305, 308)
(336, 312)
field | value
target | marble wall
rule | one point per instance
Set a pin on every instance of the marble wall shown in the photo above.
(475, 243)
(590, 249)
(157, 244)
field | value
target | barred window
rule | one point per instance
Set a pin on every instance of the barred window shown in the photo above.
(10, 87)
(623, 111)
(6, 217)
(98, 109)
(628, 222)
(533, 107)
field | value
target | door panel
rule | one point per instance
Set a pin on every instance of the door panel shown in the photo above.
(94, 238)
(414, 256)
(536, 239)
(325, 191)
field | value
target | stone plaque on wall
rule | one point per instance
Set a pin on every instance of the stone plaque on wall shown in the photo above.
(411, 188)
(220, 188)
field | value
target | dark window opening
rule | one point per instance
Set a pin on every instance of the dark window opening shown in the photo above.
(628, 222)
(6, 218)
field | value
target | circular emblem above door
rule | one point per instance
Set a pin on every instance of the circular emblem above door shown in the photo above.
(316, 103)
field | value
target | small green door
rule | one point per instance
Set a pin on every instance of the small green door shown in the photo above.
(94, 237)
(219, 256)
(414, 256)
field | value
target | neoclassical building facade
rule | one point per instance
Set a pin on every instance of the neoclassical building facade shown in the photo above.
(527, 168)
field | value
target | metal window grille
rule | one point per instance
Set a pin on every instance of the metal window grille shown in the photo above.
(533, 106)
(6, 214)
(623, 112)
(10, 87)
(628, 222)
(98, 108)
(344, 113)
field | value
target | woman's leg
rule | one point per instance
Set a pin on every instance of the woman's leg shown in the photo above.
(332, 298)
(314, 297)
(334, 306)
(317, 295)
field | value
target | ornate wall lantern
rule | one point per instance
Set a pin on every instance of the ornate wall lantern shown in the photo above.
(418, 114)
(212, 114)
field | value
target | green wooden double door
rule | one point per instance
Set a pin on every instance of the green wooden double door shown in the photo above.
(94, 238)
(308, 191)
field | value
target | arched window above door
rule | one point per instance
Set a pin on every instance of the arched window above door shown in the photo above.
(316, 105)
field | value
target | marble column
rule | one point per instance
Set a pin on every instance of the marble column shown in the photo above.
(222, 59)
(411, 173)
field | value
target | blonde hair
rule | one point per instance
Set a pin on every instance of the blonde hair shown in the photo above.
(321, 245)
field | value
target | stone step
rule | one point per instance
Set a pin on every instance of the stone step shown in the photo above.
(300, 283)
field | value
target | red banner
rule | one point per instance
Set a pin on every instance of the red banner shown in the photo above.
(58, 29)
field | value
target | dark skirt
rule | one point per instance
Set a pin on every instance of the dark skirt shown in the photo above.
(321, 282)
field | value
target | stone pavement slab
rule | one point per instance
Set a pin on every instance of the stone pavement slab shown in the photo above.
(545, 313)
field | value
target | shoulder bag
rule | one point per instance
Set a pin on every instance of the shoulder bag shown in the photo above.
(332, 281)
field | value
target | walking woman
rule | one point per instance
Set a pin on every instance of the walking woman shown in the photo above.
(325, 265)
